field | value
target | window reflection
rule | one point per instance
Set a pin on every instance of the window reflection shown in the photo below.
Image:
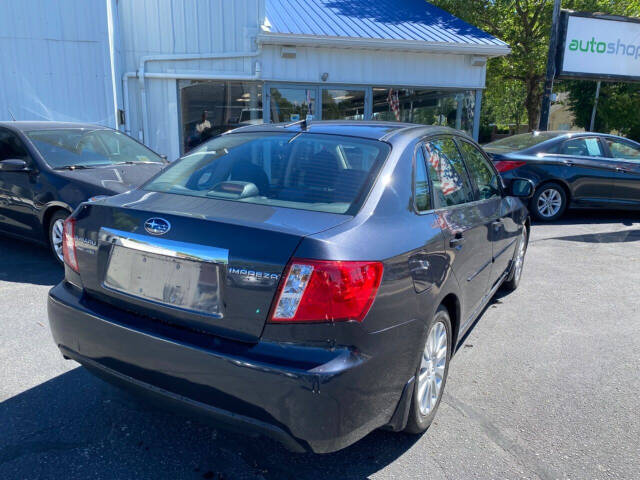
(210, 108)
(428, 107)
(343, 104)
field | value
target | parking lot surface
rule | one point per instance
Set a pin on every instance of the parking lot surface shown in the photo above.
(546, 385)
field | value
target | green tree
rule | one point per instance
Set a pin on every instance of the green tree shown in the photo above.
(525, 25)
(618, 106)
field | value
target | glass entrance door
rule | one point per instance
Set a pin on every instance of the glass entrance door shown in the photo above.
(291, 104)
(343, 104)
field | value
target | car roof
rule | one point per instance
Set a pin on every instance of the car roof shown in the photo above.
(375, 130)
(27, 126)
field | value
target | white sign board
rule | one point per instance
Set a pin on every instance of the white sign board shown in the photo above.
(600, 47)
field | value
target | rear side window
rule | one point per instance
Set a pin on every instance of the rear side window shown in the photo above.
(449, 177)
(582, 147)
(327, 173)
(482, 174)
(422, 196)
(623, 150)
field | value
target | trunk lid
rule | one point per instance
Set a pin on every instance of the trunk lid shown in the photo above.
(216, 268)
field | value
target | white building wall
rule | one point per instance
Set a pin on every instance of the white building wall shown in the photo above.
(54, 61)
(153, 27)
(372, 67)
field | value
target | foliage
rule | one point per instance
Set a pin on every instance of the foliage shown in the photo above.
(617, 111)
(517, 79)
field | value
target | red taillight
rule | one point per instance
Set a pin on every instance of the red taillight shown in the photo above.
(69, 243)
(506, 165)
(326, 291)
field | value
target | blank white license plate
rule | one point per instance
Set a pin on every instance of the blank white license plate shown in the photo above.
(180, 283)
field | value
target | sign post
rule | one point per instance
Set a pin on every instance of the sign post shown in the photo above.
(551, 68)
(590, 46)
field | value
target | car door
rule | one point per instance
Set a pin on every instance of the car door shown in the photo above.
(589, 172)
(494, 207)
(17, 209)
(464, 221)
(626, 161)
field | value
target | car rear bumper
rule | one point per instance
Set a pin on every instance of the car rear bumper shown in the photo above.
(322, 408)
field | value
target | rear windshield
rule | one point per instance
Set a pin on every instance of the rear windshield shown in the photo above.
(326, 173)
(519, 142)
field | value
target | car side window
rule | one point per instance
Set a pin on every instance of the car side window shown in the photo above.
(620, 149)
(421, 193)
(12, 147)
(485, 177)
(582, 147)
(449, 178)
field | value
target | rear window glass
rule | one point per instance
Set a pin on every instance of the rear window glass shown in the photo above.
(519, 142)
(326, 173)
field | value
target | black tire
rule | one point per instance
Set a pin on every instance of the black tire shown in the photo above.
(513, 280)
(418, 423)
(537, 205)
(56, 217)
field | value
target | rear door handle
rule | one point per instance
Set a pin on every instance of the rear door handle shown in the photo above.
(457, 241)
(569, 163)
(621, 170)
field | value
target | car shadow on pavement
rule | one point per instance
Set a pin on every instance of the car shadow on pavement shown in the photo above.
(77, 426)
(580, 217)
(25, 262)
(622, 236)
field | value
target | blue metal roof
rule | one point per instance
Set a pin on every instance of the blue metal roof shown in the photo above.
(404, 20)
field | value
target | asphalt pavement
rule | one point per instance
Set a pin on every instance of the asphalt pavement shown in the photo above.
(546, 386)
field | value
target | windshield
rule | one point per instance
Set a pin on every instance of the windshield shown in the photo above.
(82, 147)
(327, 173)
(519, 142)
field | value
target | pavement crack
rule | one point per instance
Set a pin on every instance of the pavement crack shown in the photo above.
(517, 448)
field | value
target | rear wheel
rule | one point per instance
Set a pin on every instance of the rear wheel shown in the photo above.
(431, 373)
(56, 226)
(549, 202)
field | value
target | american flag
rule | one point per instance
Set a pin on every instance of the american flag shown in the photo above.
(309, 107)
(394, 103)
(450, 181)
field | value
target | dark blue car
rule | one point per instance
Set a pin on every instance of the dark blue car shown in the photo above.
(47, 169)
(307, 282)
(571, 170)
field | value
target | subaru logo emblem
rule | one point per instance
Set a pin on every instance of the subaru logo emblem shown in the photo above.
(157, 226)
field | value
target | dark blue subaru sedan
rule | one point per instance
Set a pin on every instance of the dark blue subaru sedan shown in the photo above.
(306, 282)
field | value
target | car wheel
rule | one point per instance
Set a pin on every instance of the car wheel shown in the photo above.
(513, 280)
(56, 226)
(549, 202)
(431, 373)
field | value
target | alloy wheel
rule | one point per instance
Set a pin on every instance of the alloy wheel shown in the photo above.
(56, 237)
(549, 202)
(432, 368)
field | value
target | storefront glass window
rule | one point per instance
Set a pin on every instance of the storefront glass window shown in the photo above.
(210, 108)
(292, 104)
(342, 104)
(428, 107)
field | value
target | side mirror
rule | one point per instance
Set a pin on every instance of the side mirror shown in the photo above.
(14, 165)
(522, 188)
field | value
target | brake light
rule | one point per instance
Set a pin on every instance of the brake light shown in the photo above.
(326, 291)
(506, 165)
(69, 243)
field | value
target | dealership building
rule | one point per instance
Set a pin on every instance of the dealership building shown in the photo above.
(172, 73)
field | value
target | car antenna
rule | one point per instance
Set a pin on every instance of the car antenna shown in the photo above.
(304, 124)
(11, 113)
